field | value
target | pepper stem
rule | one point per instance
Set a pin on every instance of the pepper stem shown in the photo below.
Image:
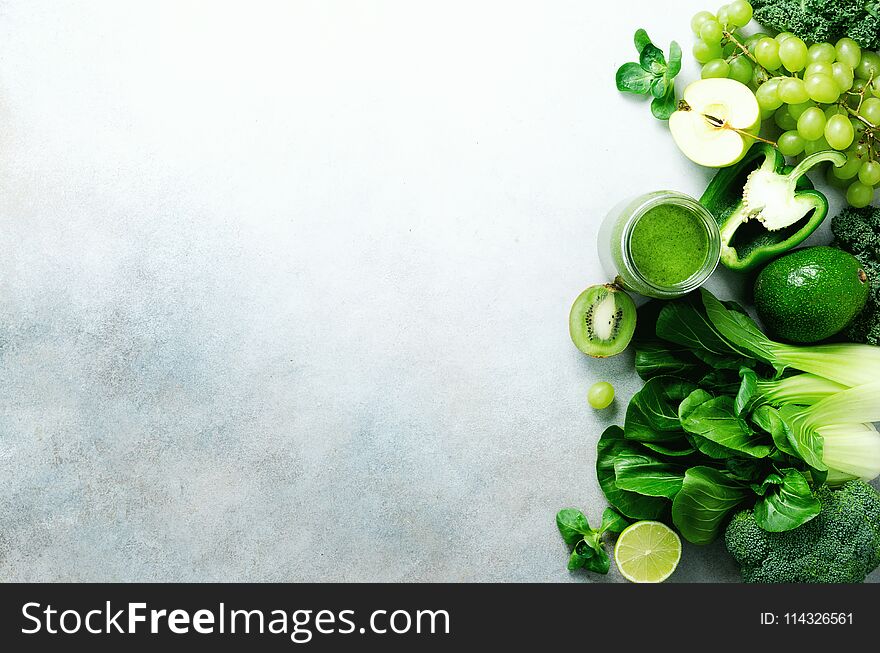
(837, 158)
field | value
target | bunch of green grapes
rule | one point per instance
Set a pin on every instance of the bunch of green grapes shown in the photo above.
(822, 96)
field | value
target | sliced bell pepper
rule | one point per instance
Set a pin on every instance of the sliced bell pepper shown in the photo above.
(764, 207)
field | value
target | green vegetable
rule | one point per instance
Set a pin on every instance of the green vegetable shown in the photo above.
(652, 75)
(811, 294)
(587, 548)
(823, 20)
(841, 545)
(858, 232)
(763, 208)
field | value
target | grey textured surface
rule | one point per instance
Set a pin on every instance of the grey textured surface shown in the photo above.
(284, 286)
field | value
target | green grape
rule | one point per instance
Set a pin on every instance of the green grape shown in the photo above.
(875, 87)
(842, 74)
(848, 52)
(840, 184)
(790, 143)
(723, 16)
(811, 124)
(783, 119)
(822, 89)
(792, 90)
(711, 31)
(848, 170)
(600, 395)
(715, 68)
(697, 21)
(782, 37)
(797, 109)
(793, 53)
(739, 12)
(870, 110)
(819, 145)
(859, 195)
(831, 110)
(818, 68)
(821, 52)
(869, 63)
(839, 132)
(705, 52)
(759, 76)
(767, 53)
(740, 69)
(768, 95)
(752, 41)
(869, 173)
(858, 151)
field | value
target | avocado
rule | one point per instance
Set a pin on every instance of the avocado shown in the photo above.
(810, 294)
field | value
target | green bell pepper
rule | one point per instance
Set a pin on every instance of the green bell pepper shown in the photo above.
(764, 207)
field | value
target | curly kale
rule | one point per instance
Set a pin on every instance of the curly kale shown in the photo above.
(858, 232)
(823, 20)
(840, 545)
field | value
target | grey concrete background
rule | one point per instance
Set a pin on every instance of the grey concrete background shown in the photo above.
(284, 285)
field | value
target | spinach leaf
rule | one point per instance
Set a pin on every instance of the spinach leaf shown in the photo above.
(572, 525)
(715, 419)
(787, 504)
(739, 329)
(641, 40)
(651, 477)
(612, 521)
(588, 551)
(656, 358)
(597, 562)
(684, 323)
(651, 75)
(747, 390)
(652, 413)
(630, 504)
(632, 78)
(664, 106)
(665, 449)
(707, 495)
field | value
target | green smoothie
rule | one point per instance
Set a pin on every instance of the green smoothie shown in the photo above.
(669, 244)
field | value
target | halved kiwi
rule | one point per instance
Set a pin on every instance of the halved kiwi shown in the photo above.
(602, 320)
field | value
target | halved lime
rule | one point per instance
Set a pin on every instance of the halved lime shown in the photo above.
(647, 552)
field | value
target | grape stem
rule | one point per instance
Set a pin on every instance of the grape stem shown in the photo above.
(719, 123)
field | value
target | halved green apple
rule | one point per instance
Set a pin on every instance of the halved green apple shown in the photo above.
(716, 122)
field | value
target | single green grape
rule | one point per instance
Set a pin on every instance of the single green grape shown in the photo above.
(767, 53)
(869, 173)
(782, 37)
(870, 110)
(699, 18)
(842, 74)
(869, 65)
(790, 143)
(819, 145)
(705, 52)
(848, 170)
(783, 119)
(752, 40)
(840, 184)
(839, 132)
(822, 89)
(723, 16)
(796, 110)
(711, 31)
(859, 195)
(792, 90)
(715, 68)
(740, 69)
(768, 95)
(792, 53)
(831, 110)
(818, 68)
(821, 52)
(739, 12)
(848, 52)
(859, 151)
(811, 124)
(600, 395)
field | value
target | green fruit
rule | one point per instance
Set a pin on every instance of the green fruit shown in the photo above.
(602, 321)
(811, 294)
(600, 395)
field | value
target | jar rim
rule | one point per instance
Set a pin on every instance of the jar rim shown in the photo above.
(713, 256)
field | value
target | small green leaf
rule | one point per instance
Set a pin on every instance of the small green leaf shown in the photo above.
(599, 563)
(788, 505)
(808, 443)
(706, 497)
(674, 66)
(641, 40)
(576, 560)
(747, 390)
(659, 86)
(664, 107)
(632, 78)
(767, 418)
(651, 59)
(612, 521)
(572, 525)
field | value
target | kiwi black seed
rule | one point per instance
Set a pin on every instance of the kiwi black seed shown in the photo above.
(602, 320)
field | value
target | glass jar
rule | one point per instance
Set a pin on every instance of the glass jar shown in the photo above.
(615, 244)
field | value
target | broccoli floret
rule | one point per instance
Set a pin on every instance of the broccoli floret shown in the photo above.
(840, 545)
(823, 20)
(858, 232)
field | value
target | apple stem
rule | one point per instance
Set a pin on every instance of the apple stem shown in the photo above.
(723, 124)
